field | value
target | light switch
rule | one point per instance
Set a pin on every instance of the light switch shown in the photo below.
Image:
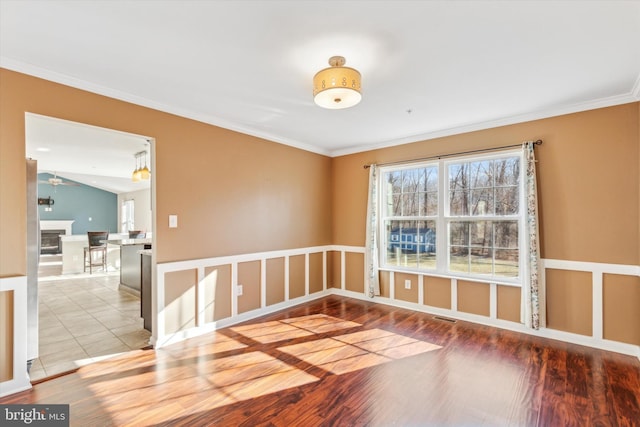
(173, 221)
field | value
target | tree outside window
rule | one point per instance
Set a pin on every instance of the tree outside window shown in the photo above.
(474, 233)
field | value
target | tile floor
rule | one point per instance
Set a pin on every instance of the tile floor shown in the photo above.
(83, 318)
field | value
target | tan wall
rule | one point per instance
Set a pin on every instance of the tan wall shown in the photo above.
(6, 335)
(333, 269)
(621, 299)
(569, 301)
(385, 284)
(275, 281)
(473, 297)
(411, 294)
(249, 278)
(354, 272)
(13, 187)
(217, 292)
(180, 300)
(589, 198)
(437, 292)
(316, 278)
(296, 276)
(509, 303)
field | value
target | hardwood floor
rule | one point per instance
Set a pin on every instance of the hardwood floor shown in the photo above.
(339, 361)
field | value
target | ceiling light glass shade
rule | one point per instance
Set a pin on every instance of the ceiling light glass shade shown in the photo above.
(145, 173)
(337, 87)
(136, 176)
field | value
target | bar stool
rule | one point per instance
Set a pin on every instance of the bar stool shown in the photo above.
(97, 245)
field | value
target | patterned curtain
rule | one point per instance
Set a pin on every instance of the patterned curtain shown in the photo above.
(531, 279)
(372, 283)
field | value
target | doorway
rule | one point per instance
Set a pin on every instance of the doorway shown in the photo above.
(84, 317)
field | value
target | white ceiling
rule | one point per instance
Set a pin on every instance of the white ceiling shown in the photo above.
(429, 68)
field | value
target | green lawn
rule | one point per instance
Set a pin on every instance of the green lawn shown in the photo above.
(461, 264)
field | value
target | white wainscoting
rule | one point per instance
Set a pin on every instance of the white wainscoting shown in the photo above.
(20, 379)
(597, 271)
(596, 340)
(160, 338)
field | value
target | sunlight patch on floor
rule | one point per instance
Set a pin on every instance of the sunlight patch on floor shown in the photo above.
(201, 374)
(230, 379)
(359, 350)
(286, 329)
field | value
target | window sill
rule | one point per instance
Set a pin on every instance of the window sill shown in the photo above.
(505, 282)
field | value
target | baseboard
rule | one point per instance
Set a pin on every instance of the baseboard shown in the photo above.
(608, 345)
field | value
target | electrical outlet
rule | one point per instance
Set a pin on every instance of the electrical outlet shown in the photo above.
(407, 284)
(239, 290)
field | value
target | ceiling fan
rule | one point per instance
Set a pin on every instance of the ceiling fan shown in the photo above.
(55, 181)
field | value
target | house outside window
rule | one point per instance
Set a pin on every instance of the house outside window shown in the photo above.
(456, 217)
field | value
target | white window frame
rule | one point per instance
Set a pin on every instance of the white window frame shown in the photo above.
(127, 213)
(444, 219)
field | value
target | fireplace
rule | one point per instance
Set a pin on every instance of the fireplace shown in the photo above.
(50, 232)
(50, 242)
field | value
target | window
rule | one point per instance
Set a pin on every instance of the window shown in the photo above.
(458, 217)
(410, 212)
(126, 216)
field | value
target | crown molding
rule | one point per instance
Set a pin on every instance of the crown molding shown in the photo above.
(632, 96)
(32, 70)
(635, 92)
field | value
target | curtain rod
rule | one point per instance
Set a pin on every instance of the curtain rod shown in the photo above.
(538, 142)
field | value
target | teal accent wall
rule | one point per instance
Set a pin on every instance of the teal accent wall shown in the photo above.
(80, 203)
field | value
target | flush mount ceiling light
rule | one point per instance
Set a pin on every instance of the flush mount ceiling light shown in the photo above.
(337, 87)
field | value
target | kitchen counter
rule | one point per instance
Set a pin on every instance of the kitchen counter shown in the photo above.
(129, 242)
(130, 274)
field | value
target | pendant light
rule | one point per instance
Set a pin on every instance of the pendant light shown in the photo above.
(135, 177)
(141, 173)
(145, 173)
